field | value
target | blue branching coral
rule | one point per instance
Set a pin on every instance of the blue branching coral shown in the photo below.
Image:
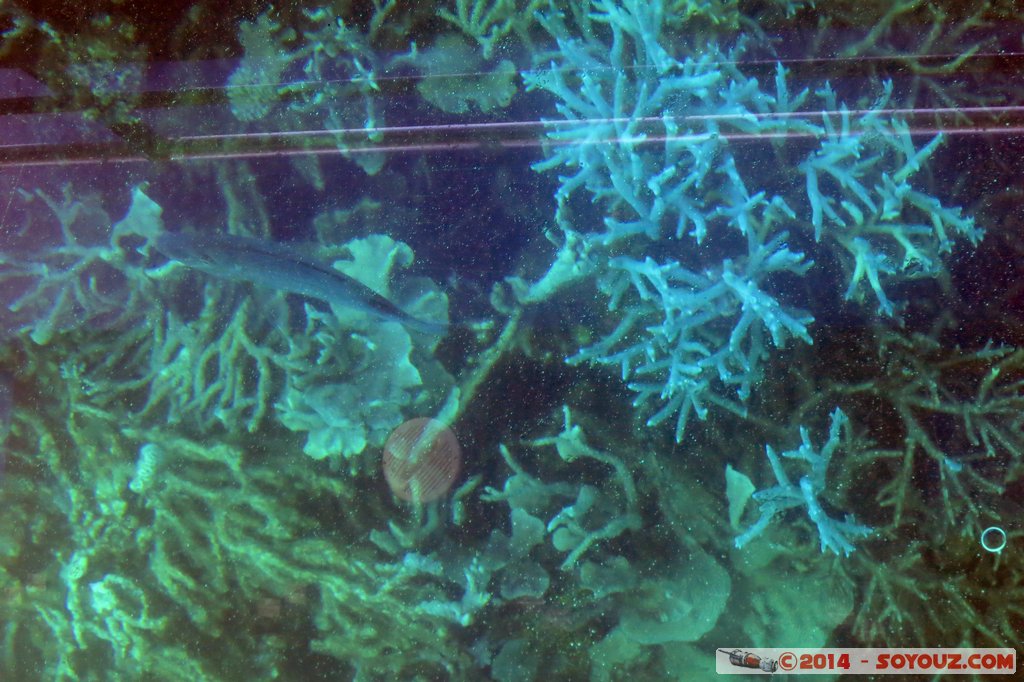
(836, 535)
(647, 136)
(858, 185)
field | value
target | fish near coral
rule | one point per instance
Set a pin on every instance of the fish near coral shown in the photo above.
(279, 267)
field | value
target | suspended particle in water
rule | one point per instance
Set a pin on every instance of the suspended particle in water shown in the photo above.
(422, 459)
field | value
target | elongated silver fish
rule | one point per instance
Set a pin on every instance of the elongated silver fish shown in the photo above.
(276, 266)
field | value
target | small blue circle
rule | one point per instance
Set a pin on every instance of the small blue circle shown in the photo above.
(993, 539)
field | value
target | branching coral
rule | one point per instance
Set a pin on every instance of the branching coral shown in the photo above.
(646, 134)
(210, 358)
(147, 570)
(949, 593)
(489, 21)
(885, 228)
(835, 534)
(327, 68)
(65, 266)
(960, 416)
(165, 523)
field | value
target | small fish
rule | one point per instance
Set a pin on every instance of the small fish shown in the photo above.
(276, 266)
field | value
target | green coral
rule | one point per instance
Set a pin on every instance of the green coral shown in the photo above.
(489, 21)
(217, 536)
(301, 68)
(365, 375)
(455, 79)
(255, 86)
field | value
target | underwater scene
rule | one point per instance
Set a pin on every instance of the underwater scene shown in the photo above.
(508, 339)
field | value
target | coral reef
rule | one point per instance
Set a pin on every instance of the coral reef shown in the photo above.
(734, 236)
